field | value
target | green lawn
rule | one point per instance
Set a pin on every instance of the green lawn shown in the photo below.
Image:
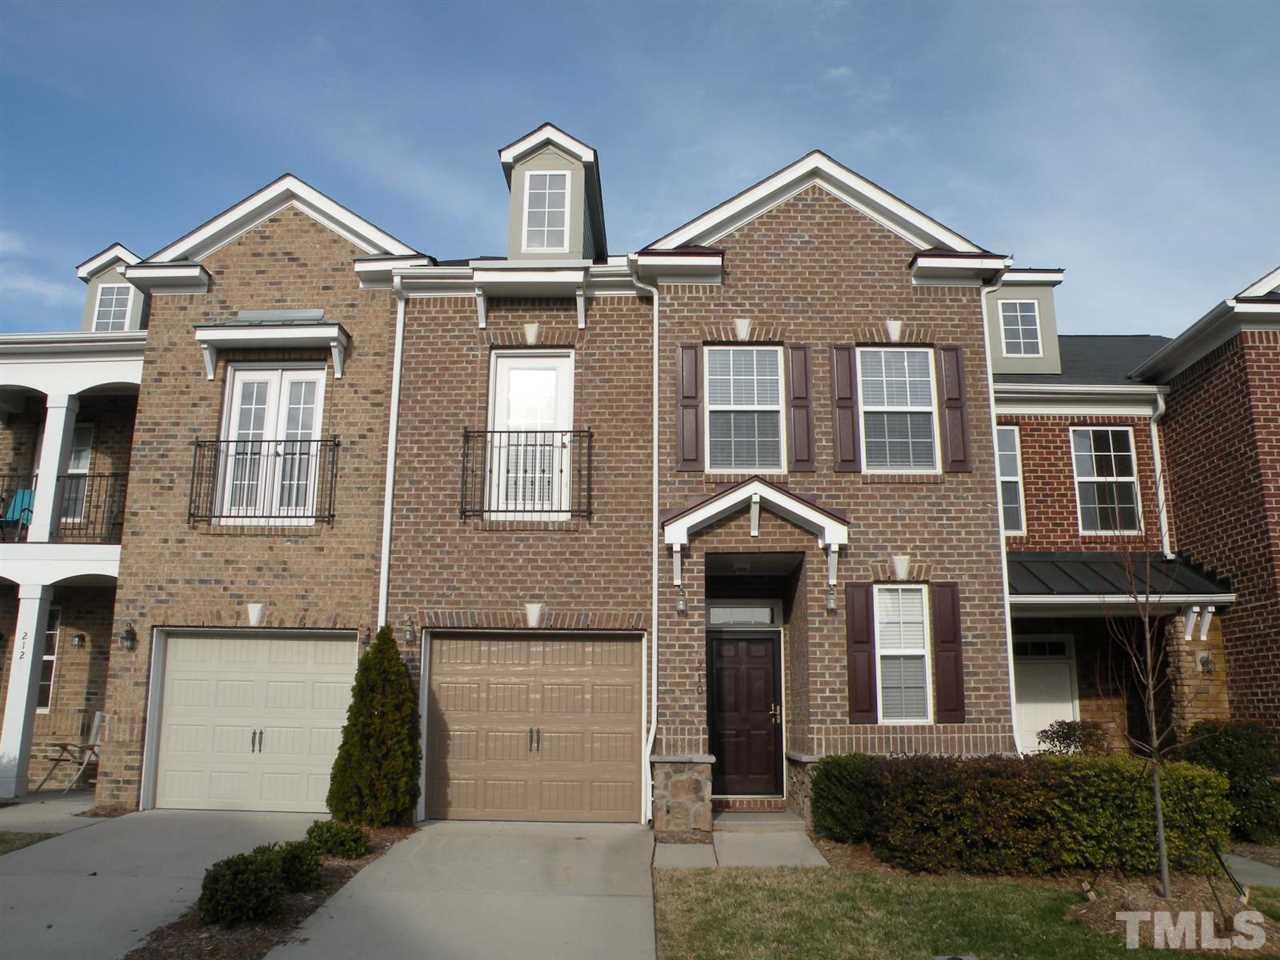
(1267, 900)
(816, 914)
(10, 841)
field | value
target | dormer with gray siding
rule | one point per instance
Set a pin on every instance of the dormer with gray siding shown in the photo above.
(111, 303)
(1022, 328)
(556, 209)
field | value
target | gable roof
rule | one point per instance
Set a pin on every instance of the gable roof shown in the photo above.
(104, 258)
(543, 134)
(831, 527)
(286, 190)
(816, 167)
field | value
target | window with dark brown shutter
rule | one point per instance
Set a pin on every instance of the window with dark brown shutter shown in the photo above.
(844, 392)
(955, 432)
(860, 640)
(948, 656)
(800, 389)
(689, 410)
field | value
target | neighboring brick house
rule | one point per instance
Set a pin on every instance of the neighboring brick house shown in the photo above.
(654, 531)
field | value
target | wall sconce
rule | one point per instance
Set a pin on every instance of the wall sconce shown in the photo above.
(831, 597)
(407, 632)
(78, 640)
(682, 604)
(1206, 661)
(129, 637)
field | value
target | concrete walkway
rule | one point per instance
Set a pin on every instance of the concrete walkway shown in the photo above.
(98, 891)
(49, 811)
(745, 840)
(476, 891)
(1253, 873)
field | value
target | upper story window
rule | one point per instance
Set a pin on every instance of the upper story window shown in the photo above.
(44, 696)
(112, 311)
(899, 423)
(546, 212)
(902, 653)
(1020, 328)
(1009, 468)
(1106, 480)
(744, 409)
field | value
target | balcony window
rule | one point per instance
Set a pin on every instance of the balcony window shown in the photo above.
(1106, 480)
(1009, 468)
(49, 660)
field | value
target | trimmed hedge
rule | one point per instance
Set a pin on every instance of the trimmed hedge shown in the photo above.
(1249, 756)
(1041, 814)
(299, 865)
(242, 888)
(337, 839)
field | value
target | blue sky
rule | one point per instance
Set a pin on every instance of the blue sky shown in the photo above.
(1135, 144)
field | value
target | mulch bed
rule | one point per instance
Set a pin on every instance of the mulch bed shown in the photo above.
(188, 938)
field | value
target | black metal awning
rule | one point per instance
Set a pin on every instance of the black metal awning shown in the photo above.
(1109, 578)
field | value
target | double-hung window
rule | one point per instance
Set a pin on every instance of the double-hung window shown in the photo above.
(1020, 328)
(1009, 466)
(112, 310)
(1106, 480)
(44, 695)
(899, 422)
(744, 409)
(546, 212)
(902, 653)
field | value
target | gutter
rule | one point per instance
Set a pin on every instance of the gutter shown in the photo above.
(1161, 499)
(1004, 543)
(389, 485)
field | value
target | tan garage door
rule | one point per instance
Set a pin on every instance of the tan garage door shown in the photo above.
(252, 723)
(534, 728)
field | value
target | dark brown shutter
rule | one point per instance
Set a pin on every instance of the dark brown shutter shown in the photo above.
(860, 639)
(948, 657)
(801, 423)
(844, 392)
(689, 410)
(955, 432)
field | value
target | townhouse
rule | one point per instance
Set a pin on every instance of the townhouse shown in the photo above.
(811, 473)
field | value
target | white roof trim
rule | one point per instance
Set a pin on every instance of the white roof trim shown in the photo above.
(268, 336)
(817, 168)
(829, 530)
(272, 198)
(547, 133)
(1116, 599)
(1016, 277)
(96, 264)
(1262, 286)
(1224, 321)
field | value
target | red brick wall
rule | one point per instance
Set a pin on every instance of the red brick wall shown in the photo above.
(173, 574)
(1223, 446)
(1052, 517)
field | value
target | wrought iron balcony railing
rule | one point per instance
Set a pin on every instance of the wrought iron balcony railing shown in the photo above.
(264, 482)
(17, 497)
(90, 507)
(514, 474)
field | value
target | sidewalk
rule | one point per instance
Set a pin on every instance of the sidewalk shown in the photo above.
(49, 811)
(745, 840)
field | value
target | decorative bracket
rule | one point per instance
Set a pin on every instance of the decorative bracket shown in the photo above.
(582, 308)
(210, 354)
(833, 553)
(1206, 618)
(755, 514)
(480, 308)
(675, 559)
(1189, 615)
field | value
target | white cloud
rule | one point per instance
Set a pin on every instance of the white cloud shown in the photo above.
(19, 281)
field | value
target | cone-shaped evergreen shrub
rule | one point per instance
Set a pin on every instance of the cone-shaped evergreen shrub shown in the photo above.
(375, 778)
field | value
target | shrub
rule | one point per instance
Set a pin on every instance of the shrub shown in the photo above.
(1074, 736)
(1040, 814)
(245, 887)
(375, 777)
(336, 839)
(1247, 754)
(299, 865)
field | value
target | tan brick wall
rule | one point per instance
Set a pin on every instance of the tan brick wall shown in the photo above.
(173, 574)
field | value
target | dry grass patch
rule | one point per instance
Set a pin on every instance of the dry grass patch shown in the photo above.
(11, 840)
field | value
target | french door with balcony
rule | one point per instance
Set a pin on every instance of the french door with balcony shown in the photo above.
(270, 447)
(530, 456)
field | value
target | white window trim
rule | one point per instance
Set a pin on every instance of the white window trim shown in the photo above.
(91, 429)
(97, 305)
(57, 655)
(1137, 485)
(783, 387)
(928, 652)
(568, 207)
(932, 411)
(1004, 344)
(1021, 531)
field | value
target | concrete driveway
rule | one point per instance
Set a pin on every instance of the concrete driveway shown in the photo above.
(460, 890)
(97, 891)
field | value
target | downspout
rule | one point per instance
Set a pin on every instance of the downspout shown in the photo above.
(389, 485)
(1004, 544)
(652, 733)
(1161, 500)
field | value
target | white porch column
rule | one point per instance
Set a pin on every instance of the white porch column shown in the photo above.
(55, 449)
(24, 682)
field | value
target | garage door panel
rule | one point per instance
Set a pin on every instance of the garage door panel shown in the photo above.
(486, 695)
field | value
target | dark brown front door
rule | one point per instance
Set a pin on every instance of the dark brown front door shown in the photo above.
(746, 713)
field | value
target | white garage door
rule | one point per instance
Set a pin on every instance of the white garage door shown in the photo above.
(252, 723)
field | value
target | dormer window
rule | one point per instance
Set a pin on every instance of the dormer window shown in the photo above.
(546, 212)
(112, 311)
(1020, 326)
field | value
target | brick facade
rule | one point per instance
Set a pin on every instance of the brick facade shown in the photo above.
(1223, 446)
(174, 574)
